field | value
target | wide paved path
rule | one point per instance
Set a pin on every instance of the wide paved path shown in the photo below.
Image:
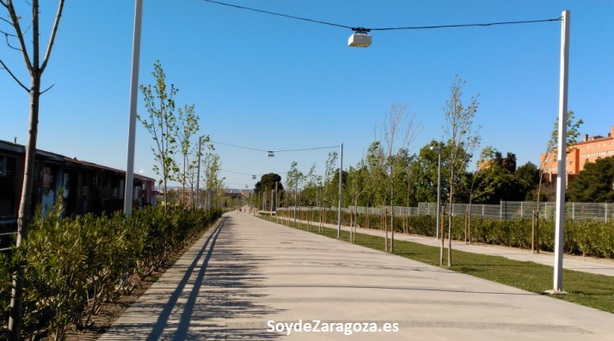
(247, 279)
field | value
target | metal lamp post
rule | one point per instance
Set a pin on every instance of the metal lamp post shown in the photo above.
(340, 188)
(365, 41)
(561, 157)
(134, 94)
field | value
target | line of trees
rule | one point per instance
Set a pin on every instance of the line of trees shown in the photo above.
(180, 152)
(389, 175)
(172, 133)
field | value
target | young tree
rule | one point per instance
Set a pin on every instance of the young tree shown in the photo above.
(375, 181)
(375, 162)
(187, 127)
(17, 41)
(212, 167)
(399, 131)
(195, 157)
(330, 187)
(162, 125)
(357, 180)
(312, 190)
(425, 171)
(462, 137)
(293, 179)
(312, 186)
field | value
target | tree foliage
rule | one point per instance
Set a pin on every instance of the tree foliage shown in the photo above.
(212, 166)
(573, 132)
(595, 183)
(496, 178)
(294, 177)
(187, 128)
(462, 138)
(161, 123)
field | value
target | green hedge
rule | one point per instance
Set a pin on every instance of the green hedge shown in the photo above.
(582, 237)
(75, 265)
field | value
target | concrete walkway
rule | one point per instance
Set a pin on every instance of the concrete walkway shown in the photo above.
(248, 279)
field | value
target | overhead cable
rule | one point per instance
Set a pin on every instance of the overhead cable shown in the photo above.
(364, 29)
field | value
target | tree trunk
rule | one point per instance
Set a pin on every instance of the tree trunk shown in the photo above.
(392, 216)
(392, 230)
(25, 207)
(443, 235)
(535, 229)
(469, 227)
(183, 180)
(385, 228)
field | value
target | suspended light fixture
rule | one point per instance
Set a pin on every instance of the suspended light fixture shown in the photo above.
(360, 37)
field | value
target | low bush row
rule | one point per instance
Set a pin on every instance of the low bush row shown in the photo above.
(582, 237)
(73, 266)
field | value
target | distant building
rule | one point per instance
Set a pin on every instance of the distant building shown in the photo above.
(588, 150)
(84, 187)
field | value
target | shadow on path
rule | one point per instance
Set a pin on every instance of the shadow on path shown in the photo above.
(208, 285)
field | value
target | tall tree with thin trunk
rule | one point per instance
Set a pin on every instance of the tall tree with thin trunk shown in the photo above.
(462, 137)
(212, 165)
(293, 179)
(399, 131)
(16, 40)
(161, 123)
(357, 180)
(187, 127)
(375, 192)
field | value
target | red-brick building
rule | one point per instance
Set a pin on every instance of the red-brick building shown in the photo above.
(588, 150)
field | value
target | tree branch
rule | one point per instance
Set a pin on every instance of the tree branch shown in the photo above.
(54, 31)
(8, 42)
(15, 19)
(49, 88)
(13, 76)
(6, 21)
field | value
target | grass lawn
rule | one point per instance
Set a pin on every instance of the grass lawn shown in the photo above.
(596, 291)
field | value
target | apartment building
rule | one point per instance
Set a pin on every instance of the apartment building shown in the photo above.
(588, 150)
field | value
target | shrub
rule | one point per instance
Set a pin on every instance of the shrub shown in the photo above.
(73, 266)
(583, 237)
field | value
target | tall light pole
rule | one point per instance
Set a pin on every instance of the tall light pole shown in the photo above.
(134, 94)
(438, 151)
(364, 40)
(340, 188)
(561, 156)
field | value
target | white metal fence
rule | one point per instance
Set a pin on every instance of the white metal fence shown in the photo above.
(506, 210)
(511, 210)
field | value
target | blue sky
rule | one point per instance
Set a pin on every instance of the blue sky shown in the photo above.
(274, 83)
